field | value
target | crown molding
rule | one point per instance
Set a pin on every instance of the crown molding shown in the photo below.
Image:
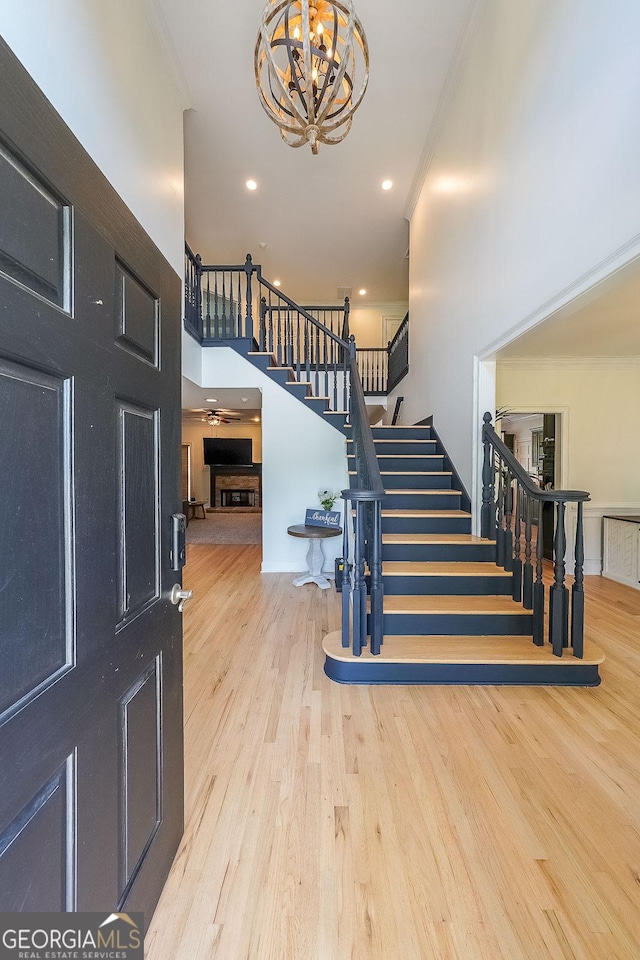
(162, 36)
(452, 80)
(602, 270)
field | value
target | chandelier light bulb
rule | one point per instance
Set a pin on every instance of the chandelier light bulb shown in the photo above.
(303, 86)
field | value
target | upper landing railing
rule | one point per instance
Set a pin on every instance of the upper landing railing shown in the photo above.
(382, 368)
(235, 301)
(511, 505)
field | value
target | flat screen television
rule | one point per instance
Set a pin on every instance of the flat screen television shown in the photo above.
(228, 452)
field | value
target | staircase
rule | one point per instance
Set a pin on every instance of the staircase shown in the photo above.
(286, 378)
(448, 612)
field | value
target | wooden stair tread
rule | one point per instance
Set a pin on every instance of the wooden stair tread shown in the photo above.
(436, 568)
(288, 369)
(451, 538)
(425, 514)
(422, 493)
(384, 440)
(410, 456)
(456, 649)
(411, 473)
(486, 604)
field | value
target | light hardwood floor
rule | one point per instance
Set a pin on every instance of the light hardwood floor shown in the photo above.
(328, 822)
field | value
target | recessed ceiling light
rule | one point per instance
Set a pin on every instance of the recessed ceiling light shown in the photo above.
(387, 184)
(276, 283)
(245, 399)
(362, 292)
(251, 185)
(211, 399)
(256, 419)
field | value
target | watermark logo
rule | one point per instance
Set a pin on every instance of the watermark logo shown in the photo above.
(71, 936)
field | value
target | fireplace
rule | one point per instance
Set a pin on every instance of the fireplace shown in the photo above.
(236, 486)
(237, 498)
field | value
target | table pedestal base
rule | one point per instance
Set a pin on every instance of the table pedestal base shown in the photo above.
(315, 563)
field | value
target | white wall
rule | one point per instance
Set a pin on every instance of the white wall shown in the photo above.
(98, 63)
(600, 400)
(300, 455)
(533, 185)
(367, 322)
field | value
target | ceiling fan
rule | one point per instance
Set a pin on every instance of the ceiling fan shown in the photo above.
(214, 418)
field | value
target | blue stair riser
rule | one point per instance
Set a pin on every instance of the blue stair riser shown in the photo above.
(261, 362)
(370, 671)
(403, 481)
(299, 390)
(404, 463)
(458, 624)
(421, 501)
(405, 448)
(401, 433)
(440, 552)
(281, 375)
(407, 481)
(426, 525)
(337, 420)
(447, 586)
(319, 404)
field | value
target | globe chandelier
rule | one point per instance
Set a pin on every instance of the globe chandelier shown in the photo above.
(312, 68)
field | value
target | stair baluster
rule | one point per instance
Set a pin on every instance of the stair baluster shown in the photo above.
(517, 561)
(558, 594)
(262, 340)
(207, 317)
(508, 516)
(527, 580)
(216, 318)
(538, 590)
(577, 592)
(500, 553)
(248, 323)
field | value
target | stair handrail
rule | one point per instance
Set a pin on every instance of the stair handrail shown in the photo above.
(304, 313)
(366, 498)
(399, 332)
(504, 512)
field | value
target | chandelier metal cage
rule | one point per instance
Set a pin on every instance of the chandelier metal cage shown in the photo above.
(307, 57)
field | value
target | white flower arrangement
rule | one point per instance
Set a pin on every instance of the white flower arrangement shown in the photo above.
(327, 498)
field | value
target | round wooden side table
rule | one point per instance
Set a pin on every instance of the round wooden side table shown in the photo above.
(315, 556)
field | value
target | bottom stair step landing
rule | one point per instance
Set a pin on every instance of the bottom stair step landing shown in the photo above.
(496, 660)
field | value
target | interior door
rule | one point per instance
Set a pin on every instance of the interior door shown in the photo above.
(91, 759)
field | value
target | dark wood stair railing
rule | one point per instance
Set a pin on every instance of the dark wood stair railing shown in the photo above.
(219, 305)
(382, 368)
(511, 501)
(364, 549)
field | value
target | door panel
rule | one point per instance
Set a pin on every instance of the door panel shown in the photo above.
(36, 624)
(91, 657)
(37, 852)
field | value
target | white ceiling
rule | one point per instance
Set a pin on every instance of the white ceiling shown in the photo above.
(246, 401)
(325, 220)
(604, 322)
